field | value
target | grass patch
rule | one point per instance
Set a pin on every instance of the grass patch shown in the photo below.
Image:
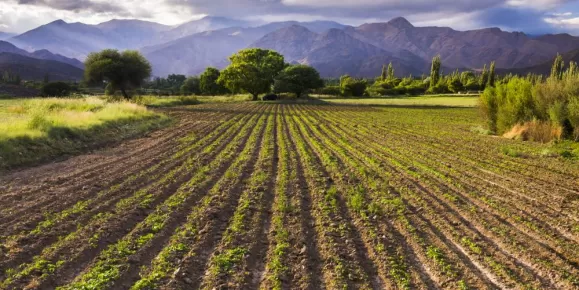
(512, 152)
(174, 101)
(34, 130)
(164, 102)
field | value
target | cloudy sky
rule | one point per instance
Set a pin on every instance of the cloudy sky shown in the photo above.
(530, 16)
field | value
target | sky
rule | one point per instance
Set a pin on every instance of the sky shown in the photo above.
(529, 16)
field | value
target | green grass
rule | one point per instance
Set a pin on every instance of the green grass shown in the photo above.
(418, 101)
(33, 130)
(173, 101)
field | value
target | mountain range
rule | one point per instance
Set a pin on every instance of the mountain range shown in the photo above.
(29, 68)
(334, 49)
(5, 35)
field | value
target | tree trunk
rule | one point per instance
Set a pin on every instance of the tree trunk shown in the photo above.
(254, 97)
(125, 94)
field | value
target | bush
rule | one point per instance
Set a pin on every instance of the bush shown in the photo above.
(532, 108)
(56, 89)
(352, 87)
(328, 90)
(191, 86)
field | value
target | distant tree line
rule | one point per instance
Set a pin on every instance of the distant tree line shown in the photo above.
(11, 78)
(387, 84)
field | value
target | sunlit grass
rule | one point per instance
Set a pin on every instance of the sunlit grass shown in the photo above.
(38, 128)
(172, 101)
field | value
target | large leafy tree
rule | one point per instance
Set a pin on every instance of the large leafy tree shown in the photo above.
(209, 84)
(122, 70)
(252, 70)
(298, 79)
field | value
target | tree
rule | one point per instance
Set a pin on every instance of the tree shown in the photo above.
(208, 82)
(466, 77)
(352, 87)
(191, 86)
(176, 81)
(252, 70)
(384, 74)
(123, 71)
(455, 86)
(56, 89)
(557, 69)
(484, 78)
(109, 90)
(435, 72)
(492, 76)
(297, 79)
(390, 72)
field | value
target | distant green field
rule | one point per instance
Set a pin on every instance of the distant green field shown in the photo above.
(438, 101)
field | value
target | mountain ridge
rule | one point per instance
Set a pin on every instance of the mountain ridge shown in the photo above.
(398, 40)
(39, 54)
(29, 68)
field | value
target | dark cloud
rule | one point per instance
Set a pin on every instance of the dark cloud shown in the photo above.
(78, 5)
(520, 15)
(332, 8)
(517, 19)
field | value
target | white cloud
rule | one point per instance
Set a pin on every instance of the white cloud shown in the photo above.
(18, 18)
(537, 4)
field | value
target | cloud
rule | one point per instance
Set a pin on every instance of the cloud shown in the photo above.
(77, 5)
(522, 15)
(360, 9)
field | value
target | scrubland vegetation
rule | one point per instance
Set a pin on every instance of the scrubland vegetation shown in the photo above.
(534, 108)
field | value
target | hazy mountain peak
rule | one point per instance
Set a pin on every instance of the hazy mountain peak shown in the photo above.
(58, 22)
(401, 23)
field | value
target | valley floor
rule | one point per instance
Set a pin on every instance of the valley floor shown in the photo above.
(297, 196)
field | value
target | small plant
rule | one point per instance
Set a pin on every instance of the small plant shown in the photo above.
(511, 152)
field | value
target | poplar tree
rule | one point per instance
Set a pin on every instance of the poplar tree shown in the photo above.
(557, 69)
(492, 76)
(435, 71)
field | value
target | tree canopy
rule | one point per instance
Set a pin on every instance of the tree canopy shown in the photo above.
(298, 79)
(122, 70)
(252, 70)
(191, 86)
(208, 82)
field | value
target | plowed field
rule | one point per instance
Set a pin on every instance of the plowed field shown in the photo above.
(296, 196)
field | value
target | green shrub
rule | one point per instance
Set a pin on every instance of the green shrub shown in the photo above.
(328, 90)
(543, 109)
(352, 87)
(56, 89)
